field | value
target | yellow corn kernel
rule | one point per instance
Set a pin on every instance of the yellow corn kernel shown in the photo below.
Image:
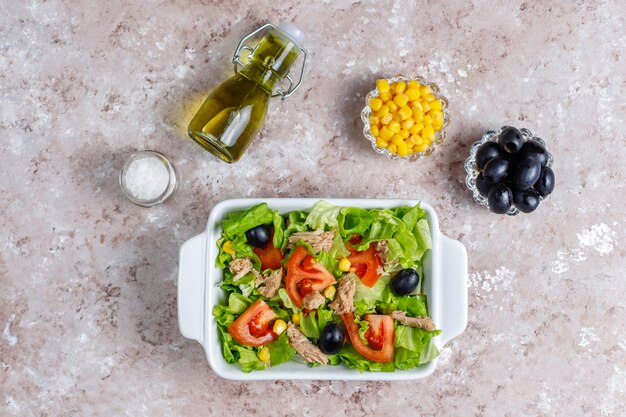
(412, 93)
(330, 292)
(279, 326)
(404, 133)
(386, 119)
(397, 117)
(392, 106)
(421, 147)
(295, 319)
(393, 148)
(375, 103)
(384, 109)
(403, 150)
(435, 114)
(385, 96)
(428, 133)
(428, 121)
(374, 120)
(414, 84)
(436, 105)
(417, 127)
(228, 248)
(416, 105)
(405, 112)
(401, 99)
(408, 123)
(400, 87)
(264, 354)
(344, 264)
(385, 133)
(413, 139)
(374, 131)
(397, 139)
(425, 106)
(424, 90)
(429, 98)
(394, 126)
(381, 143)
(437, 124)
(382, 85)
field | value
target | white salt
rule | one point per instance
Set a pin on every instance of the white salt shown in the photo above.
(146, 178)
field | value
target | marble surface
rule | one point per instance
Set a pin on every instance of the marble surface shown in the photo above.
(88, 280)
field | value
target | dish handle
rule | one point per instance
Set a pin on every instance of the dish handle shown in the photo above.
(191, 289)
(454, 273)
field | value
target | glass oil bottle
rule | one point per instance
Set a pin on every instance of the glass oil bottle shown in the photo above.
(234, 112)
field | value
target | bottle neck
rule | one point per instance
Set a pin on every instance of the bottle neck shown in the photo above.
(271, 60)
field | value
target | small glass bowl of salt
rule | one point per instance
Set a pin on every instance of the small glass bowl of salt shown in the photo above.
(148, 178)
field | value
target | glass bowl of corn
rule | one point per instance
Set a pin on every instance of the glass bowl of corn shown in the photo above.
(405, 118)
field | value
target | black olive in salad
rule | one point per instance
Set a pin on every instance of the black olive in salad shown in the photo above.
(258, 236)
(331, 339)
(405, 281)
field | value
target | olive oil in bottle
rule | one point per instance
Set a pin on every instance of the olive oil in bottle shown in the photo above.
(234, 112)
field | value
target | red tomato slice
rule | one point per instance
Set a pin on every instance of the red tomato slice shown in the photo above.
(366, 264)
(252, 327)
(307, 274)
(270, 257)
(380, 336)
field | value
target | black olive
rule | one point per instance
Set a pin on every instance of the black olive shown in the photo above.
(258, 236)
(500, 199)
(331, 339)
(526, 173)
(486, 153)
(526, 200)
(482, 185)
(511, 140)
(545, 183)
(496, 170)
(405, 281)
(535, 150)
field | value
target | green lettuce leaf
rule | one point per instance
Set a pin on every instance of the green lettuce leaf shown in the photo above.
(313, 323)
(366, 299)
(355, 360)
(248, 359)
(323, 216)
(353, 221)
(239, 222)
(413, 346)
(280, 350)
(237, 303)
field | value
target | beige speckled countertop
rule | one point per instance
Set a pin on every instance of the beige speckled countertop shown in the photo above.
(88, 281)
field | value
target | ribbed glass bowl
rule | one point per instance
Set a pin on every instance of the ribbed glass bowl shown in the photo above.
(473, 171)
(440, 135)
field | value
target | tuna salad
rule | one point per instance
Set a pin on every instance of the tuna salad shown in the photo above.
(333, 286)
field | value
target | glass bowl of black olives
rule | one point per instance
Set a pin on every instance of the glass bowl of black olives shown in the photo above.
(509, 171)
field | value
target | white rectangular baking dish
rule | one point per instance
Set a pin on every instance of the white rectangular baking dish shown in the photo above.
(445, 270)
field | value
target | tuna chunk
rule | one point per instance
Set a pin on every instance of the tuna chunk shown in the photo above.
(344, 301)
(313, 300)
(303, 346)
(318, 239)
(268, 284)
(240, 267)
(382, 247)
(422, 322)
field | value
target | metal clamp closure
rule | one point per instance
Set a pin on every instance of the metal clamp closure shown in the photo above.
(242, 47)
